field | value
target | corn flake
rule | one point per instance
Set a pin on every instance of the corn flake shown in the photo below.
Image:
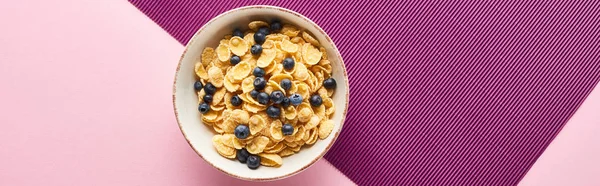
(223, 52)
(325, 129)
(255, 25)
(307, 37)
(275, 130)
(216, 76)
(256, 124)
(286, 152)
(208, 55)
(310, 54)
(238, 46)
(266, 58)
(288, 46)
(257, 145)
(222, 149)
(271, 160)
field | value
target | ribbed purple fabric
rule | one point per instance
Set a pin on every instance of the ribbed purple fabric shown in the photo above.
(442, 92)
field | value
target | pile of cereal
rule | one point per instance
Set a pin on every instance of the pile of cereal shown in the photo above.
(266, 92)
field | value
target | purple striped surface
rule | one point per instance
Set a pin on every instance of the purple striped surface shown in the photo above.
(442, 93)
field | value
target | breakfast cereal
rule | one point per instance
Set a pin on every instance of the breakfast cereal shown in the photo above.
(266, 93)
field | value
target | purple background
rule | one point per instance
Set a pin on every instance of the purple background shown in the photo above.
(442, 93)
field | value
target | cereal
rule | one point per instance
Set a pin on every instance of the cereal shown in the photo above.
(272, 160)
(237, 143)
(300, 73)
(307, 37)
(325, 129)
(249, 124)
(275, 86)
(310, 54)
(227, 140)
(200, 71)
(253, 108)
(230, 86)
(324, 53)
(290, 112)
(217, 107)
(223, 52)
(217, 128)
(313, 122)
(210, 116)
(218, 96)
(240, 116)
(299, 134)
(240, 71)
(277, 78)
(238, 46)
(304, 112)
(268, 44)
(257, 124)
(208, 55)
(298, 40)
(314, 135)
(255, 25)
(303, 90)
(277, 147)
(286, 152)
(222, 149)
(290, 30)
(320, 111)
(266, 58)
(288, 46)
(247, 85)
(215, 76)
(257, 145)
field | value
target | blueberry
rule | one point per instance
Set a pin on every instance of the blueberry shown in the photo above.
(296, 99)
(241, 131)
(285, 102)
(254, 93)
(277, 96)
(288, 63)
(203, 108)
(287, 129)
(259, 83)
(260, 37)
(263, 98)
(256, 49)
(238, 32)
(265, 30)
(286, 84)
(235, 100)
(253, 161)
(198, 85)
(242, 155)
(273, 111)
(258, 72)
(316, 100)
(329, 83)
(275, 26)
(209, 88)
(234, 60)
(207, 98)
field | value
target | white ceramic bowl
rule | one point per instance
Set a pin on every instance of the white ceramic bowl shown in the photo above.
(185, 99)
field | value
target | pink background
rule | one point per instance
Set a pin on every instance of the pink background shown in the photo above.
(573, 158)
(86, 97)
(86, 100)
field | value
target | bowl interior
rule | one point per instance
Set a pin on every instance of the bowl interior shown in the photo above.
(185, 99)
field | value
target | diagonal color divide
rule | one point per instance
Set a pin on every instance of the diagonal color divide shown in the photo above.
(442, 93)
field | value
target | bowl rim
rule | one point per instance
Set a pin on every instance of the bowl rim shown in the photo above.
(337, 52)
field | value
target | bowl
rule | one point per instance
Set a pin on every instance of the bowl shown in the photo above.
(185, 99)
